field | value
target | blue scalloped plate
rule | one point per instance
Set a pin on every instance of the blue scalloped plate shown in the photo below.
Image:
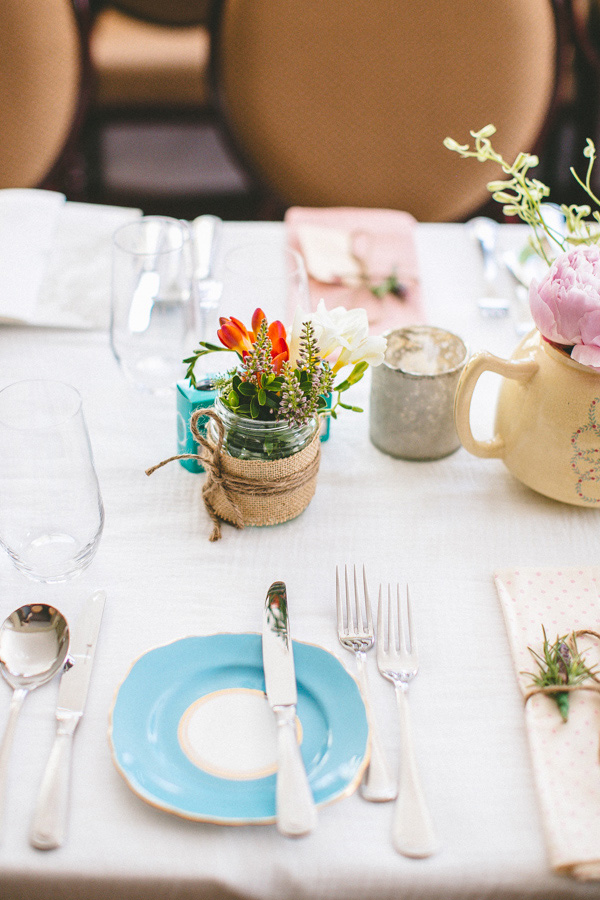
(192, 734)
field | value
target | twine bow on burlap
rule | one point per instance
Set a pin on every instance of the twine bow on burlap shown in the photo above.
(226, 492)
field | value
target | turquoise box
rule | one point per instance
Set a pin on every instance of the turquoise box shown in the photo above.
(188, 400)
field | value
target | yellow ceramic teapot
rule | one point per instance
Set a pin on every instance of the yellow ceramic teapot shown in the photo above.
(547, 428)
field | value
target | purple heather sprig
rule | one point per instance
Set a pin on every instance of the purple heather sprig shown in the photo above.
(294, 402)
(258, 361)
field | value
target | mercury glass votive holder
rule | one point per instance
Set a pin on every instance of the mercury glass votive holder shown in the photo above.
(412, 393)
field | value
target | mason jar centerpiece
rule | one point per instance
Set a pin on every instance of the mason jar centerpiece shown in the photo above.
(261, 446)
(266, 439)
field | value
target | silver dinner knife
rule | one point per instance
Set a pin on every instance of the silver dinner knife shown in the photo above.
(49, 821)
(296, 810)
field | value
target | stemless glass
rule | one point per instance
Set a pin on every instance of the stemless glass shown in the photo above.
(258, 274)
(152, 317)
(51, 512)
(263, 274)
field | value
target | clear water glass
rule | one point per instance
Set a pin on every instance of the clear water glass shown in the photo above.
(152, 310)
(260, 274)
(51, 511)
(263, 274)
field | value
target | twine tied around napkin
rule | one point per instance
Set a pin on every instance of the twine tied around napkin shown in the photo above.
(250, 491)
(593, 684)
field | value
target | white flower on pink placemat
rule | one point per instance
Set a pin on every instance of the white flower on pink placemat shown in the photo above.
(565, 304)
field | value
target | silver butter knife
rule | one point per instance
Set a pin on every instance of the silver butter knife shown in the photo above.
(296, 810)
(49, 821)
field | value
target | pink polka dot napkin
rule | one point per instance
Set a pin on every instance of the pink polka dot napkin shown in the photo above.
(338, 243)
(565, 755)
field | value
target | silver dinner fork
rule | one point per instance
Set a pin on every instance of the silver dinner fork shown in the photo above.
(357, 635)
(412, 829)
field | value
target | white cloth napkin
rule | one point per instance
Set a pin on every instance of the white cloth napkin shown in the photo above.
(55, 259)
(564, 755)
(28, 222)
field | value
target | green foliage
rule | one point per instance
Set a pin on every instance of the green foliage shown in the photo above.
(253, 399)
(560, 663)
(390, 285)
(523, 196)
(204, 347)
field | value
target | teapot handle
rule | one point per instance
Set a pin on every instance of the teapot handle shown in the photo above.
(521, 370)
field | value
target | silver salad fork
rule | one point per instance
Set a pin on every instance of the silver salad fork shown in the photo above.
(357, 635)
(412, 829)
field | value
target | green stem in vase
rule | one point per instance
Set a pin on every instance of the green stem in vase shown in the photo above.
(523, 196)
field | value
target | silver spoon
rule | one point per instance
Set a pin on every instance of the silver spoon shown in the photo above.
(485, 232)
(34, 641)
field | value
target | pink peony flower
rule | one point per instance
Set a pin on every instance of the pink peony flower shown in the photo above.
(565, 304)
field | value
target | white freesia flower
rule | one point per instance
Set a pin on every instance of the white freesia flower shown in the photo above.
(341, 333)
(370, 350)
(339, 328)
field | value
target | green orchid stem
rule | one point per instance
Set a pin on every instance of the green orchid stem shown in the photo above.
(587, 186)
(523, 196)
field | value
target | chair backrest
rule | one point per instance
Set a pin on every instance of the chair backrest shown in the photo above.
(167, 12)
(347, 102)
(41, 74)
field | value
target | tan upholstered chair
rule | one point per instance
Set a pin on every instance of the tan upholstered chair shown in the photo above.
(347, 102)
(42, 68)
(144, 62)
(151, 61)
(168, 12)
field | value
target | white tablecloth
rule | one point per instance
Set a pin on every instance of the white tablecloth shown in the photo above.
(443, 526)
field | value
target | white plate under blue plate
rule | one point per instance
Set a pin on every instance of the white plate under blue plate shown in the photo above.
(192, 733)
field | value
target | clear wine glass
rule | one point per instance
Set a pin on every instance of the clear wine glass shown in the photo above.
(152, 321)
(51, 511)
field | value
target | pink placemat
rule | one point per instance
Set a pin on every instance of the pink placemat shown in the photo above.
(340, 243)
(564, 755)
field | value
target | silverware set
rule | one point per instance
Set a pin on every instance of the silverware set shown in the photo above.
(484, 231)
(35, 642)
(397, 660)
(500, 298)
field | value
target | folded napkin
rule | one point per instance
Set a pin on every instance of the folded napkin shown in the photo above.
(565, 755)
(55, 259)
(28, 222)
(342, 247)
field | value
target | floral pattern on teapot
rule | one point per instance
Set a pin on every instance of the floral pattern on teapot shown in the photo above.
(586, 454)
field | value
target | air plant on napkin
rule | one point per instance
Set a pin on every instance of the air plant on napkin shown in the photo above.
(560, 664)
(288, 377)
(389, 285)
(565, 303)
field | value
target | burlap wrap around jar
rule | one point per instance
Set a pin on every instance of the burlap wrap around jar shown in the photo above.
(253, 479)
(261, 491)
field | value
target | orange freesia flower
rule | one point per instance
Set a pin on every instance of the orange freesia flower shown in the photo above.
(234, 335)
(257, 318)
